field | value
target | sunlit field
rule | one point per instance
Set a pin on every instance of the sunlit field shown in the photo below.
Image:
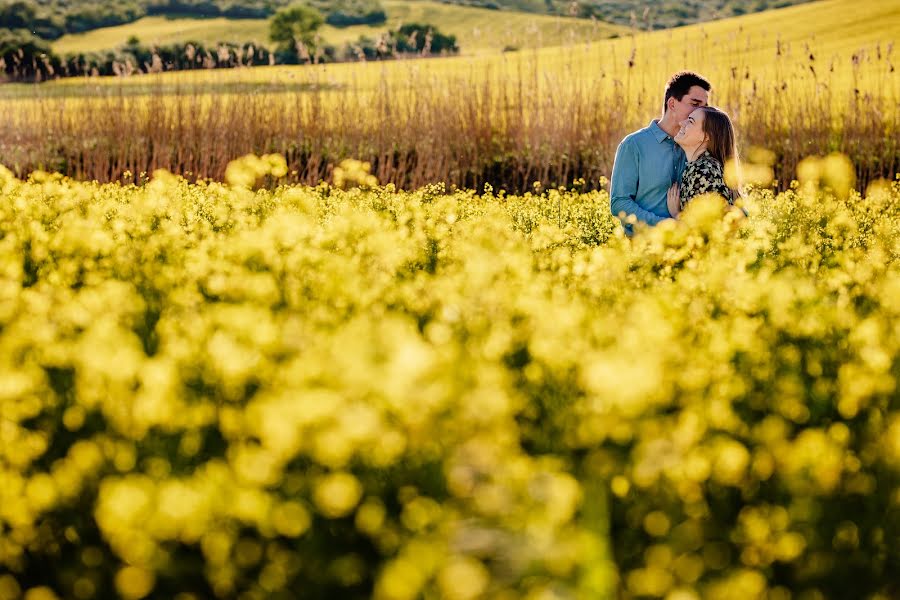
(369, 331)
(801, 81)
(477, 30)
(309, 392)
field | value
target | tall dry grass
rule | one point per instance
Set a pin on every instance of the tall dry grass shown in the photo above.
(510, 121)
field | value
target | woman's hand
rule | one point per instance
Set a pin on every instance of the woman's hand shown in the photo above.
(673, 200)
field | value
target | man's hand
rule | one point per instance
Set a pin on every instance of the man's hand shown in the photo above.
(673, 200)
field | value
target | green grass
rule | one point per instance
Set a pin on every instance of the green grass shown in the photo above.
(477, 29)
(643, 14)
(163, 30)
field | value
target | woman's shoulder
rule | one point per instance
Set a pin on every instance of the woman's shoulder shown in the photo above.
(708, 160)
(704, 175)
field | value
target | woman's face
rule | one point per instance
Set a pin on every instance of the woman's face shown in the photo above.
(691, 134)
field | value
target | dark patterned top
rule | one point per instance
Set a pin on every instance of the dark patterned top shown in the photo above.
(703, 176)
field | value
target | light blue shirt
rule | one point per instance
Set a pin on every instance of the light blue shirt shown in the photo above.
(647, 163)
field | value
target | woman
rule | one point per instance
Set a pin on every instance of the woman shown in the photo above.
(707, 138)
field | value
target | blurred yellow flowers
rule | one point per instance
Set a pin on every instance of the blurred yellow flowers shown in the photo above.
(222, 391)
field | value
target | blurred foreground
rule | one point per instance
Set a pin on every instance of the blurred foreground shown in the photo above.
(211, 391)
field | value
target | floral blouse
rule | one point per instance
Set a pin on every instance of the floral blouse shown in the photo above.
(704, 175)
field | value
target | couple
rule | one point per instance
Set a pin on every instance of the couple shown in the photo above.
(660, 168)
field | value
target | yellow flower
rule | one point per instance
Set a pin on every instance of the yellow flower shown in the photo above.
(336, 494)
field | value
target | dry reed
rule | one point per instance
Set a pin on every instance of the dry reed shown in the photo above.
(508, 122)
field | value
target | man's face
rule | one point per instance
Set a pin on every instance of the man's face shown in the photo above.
(681, 109)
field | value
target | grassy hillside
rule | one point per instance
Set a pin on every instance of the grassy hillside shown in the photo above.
(476, 29)
(164, 30)
(829, 29)
(643, 14)
(50, 19)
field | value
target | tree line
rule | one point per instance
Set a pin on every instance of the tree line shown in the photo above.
(293, 32)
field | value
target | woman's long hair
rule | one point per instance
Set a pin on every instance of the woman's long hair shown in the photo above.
(721, 142)
(719, 134)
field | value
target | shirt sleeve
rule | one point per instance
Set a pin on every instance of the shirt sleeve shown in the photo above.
(624, 185)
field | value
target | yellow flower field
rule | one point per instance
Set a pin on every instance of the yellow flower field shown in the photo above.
(442, 370)
(208, 390)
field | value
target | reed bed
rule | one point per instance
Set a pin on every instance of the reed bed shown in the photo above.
(550, 117)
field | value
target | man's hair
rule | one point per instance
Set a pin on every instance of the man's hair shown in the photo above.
(681, 83)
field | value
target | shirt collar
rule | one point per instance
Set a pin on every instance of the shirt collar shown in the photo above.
(657, 131)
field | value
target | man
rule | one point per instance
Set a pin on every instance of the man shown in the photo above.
(649, 161)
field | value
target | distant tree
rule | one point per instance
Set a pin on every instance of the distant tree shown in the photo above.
(17, 15)
(85, 16)
(424, 38)
(294, 26)
(344, 13)
(25, 57)
(21, 14)
(340, 18)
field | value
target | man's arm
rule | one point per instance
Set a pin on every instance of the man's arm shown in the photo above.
(624, 184)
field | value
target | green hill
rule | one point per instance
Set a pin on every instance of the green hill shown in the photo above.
(641, 14)
(51, 19)
(476, 29)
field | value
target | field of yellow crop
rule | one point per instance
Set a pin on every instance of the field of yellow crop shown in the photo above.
(212, 390)
(442, 371)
